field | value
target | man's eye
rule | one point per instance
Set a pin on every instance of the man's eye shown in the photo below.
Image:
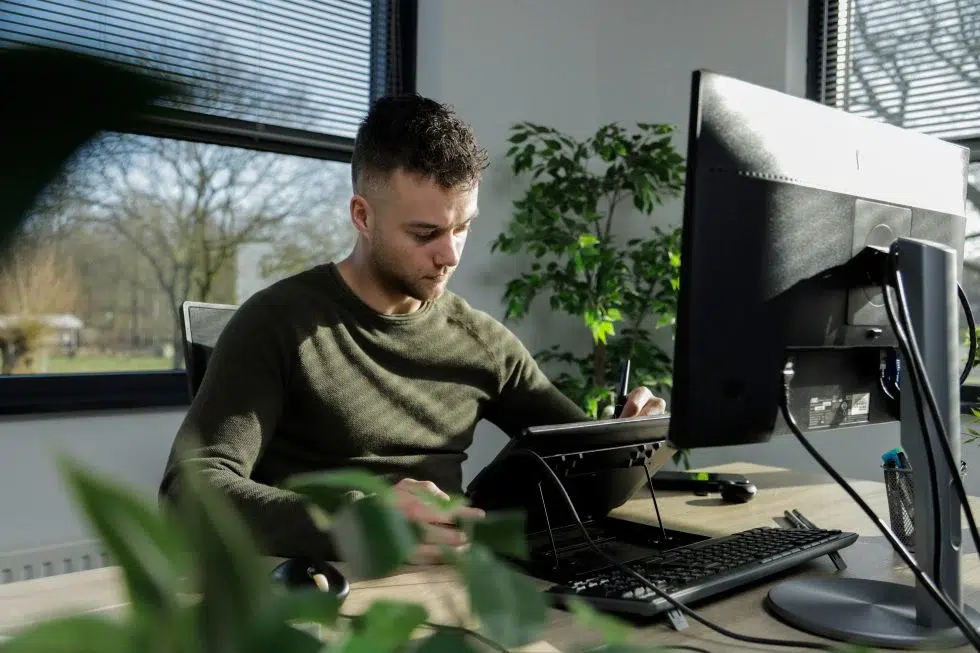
(424, 237)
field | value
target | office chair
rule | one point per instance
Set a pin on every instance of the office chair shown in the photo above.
(201, 324)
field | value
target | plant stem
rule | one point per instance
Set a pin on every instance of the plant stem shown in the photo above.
(460, 629)
(599, 369)
(612, 209)
(599, 349)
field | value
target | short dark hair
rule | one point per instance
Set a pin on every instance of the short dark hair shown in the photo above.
(420, 136)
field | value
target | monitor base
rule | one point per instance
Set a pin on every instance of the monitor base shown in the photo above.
(860, 611)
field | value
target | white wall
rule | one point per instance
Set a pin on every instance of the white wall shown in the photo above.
(35, 507)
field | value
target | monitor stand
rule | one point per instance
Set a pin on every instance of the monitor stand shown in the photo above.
(878, 613)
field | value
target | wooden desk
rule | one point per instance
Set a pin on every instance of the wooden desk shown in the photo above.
(815, 495)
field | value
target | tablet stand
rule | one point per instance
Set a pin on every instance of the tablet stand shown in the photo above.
(642, 455)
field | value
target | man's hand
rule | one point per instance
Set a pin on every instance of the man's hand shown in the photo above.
(437, 525)
(640, 402)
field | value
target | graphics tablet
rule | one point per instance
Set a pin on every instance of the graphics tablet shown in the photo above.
(600, 463)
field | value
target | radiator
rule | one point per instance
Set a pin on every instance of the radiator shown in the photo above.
(52, 560)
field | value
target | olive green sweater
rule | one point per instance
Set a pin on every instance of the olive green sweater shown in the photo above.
(308, 377)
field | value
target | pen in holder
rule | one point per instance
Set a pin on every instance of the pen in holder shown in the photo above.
(900, 491)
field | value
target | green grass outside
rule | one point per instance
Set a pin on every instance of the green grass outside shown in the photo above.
(80, 364)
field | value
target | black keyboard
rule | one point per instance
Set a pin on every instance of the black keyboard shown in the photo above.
(703, 569)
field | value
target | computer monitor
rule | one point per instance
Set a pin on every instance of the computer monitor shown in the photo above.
(783, 195)
(779, 191)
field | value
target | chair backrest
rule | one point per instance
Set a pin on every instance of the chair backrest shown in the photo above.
(200, 325)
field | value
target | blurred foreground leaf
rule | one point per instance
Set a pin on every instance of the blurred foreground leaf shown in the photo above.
(447, 641)
(228, 570)
(509, 607)
(151, 554)
(502, 532)
(373, 538)
(385, 627)
(613, 630)
(77, 634)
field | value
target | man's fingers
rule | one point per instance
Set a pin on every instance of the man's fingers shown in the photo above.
(438, 534)
(468, 512)
(426, 486)
(432, 554)
(415, 509)
(656, 406)
(426, 554)
(642, 402)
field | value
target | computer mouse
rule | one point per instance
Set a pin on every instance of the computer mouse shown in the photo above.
(301, 573)
(738, 492)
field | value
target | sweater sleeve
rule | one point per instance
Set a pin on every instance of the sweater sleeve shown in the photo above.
(230, 422)
(527, 397)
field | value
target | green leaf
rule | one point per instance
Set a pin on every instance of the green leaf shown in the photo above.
(150, 552)
(447, 640)
(373, 538)
(385, 627)
(519, 137)
(279, 620)
(509, 607)
(75, 634)
(500, 531)
(231, 578)
(587, 240)
(602, 329)
(343, 479)
(331, 490)
(614, 314)
(612, 630)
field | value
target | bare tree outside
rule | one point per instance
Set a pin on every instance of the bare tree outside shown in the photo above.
(143, 223)
(922, 72)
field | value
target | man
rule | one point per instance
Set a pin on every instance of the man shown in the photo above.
(370, 362)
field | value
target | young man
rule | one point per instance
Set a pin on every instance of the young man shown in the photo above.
(370, 362)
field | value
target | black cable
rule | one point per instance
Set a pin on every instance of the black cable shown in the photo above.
(916, 387)
(951, 611)
(922, 381)
(971, 357)
(965, 303)
(751, 639)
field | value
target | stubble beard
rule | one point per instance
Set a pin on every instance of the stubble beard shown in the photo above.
(396, 282)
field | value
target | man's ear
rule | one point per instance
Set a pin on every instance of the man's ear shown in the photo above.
(361, 214)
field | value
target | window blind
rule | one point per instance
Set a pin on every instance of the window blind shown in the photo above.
(913, 63)
(312, 66)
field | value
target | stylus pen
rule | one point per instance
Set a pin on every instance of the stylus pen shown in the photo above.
(806, 522)
(623, 387)
(794, 520)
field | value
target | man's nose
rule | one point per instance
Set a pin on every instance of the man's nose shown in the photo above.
(448, 253)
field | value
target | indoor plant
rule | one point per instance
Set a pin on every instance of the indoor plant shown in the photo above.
(569, 221)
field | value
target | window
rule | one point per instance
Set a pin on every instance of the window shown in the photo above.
(915, 64)
(241, 181)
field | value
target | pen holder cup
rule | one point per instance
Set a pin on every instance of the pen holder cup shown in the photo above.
(900, 491)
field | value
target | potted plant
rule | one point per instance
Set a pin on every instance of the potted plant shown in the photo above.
(569, 220)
